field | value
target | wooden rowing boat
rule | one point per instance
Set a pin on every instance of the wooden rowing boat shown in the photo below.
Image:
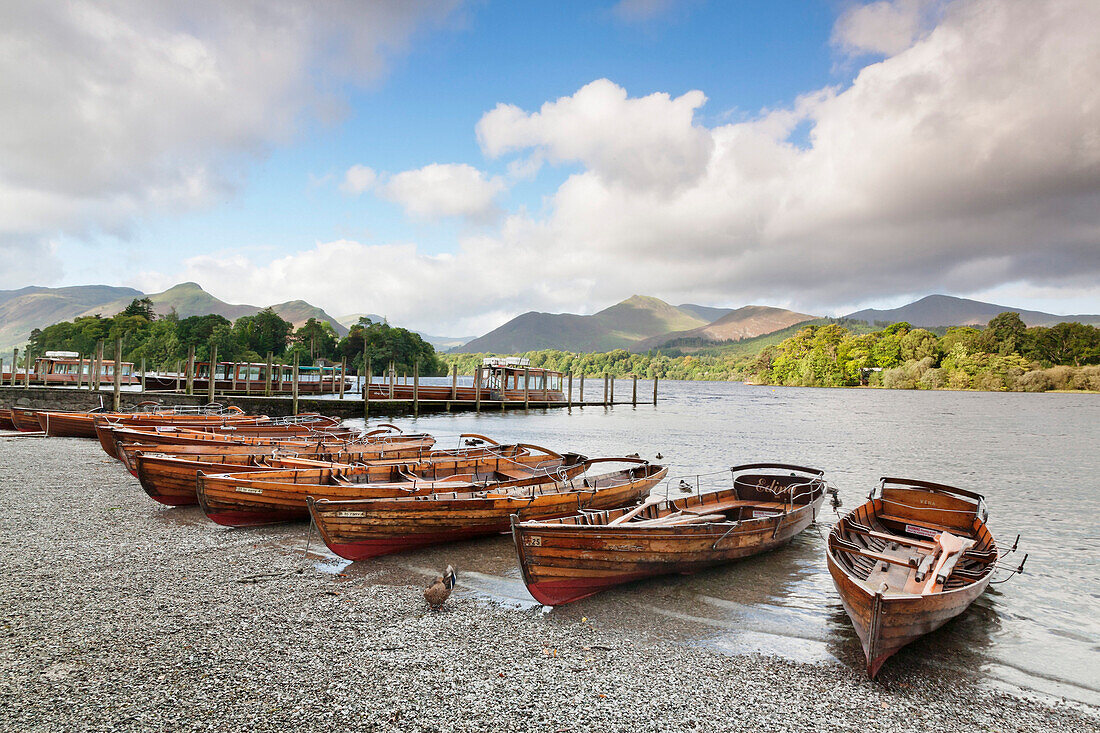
(81, 424)
(171, 478)
(566, 559)
(5, 419)
(359, 529)
(267, 497)
(912, 558)
(179, 442)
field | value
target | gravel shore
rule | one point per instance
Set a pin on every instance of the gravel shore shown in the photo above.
(117, 615)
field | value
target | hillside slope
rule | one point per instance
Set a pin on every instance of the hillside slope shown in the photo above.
(946, 310)
(26, 309)
(617, 327)
(747, 322)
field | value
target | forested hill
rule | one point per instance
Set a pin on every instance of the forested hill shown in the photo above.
(22, 311)
(620, 326)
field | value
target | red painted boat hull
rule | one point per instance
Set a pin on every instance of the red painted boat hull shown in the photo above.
(559, 592)
(366, 549)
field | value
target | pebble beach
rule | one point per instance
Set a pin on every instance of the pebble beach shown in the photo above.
(117, 615)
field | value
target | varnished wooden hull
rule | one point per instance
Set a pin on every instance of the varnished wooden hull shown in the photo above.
(240, 499)
(25, 420)
(172, 481)
(564, 561)
(5, 419)
(67, 424)
(357, 530)
(886, 617)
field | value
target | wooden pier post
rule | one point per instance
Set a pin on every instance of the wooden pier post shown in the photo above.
(343, 375)
(366, 389)
(634, 390)
(526, 388)
(179, 373)
(98, 366)
(416, 388)
(605, 389)
(611, 381)
(454, 380)
(14, 361)
(655, 389)
(189, 375)
(143, 375)
(213, 381)
(581, 397)
(79, 372)
(477, 389)
(294, 386)
(267, 375)
(27, 369)
(117, 381)
(569, 400)
(248, 379)
(393, 376)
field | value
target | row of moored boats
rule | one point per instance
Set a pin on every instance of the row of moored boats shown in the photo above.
(910, 559)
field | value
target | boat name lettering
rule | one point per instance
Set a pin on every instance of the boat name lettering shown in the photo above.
(249, 490)
(628, 548)
(922, 531)
(347, 514)
(757, 513)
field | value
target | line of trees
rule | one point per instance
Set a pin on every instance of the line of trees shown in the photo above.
(1005, 355)
(163, 340)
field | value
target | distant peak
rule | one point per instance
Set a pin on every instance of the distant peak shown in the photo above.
(185, 286)
(643, 301)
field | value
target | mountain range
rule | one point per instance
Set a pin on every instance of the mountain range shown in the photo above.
(642, 323)
(639, 323)
(621, 326)
(26, 309)
(947, 310)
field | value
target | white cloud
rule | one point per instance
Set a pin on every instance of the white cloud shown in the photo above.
(113, 110)
(440, 190)
(359, 178)
(644, 142)
(884, 27)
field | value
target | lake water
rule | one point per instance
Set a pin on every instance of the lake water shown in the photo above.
(1036, 458)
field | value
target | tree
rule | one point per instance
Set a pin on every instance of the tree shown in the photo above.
(1004, 334)
(1063, 343)
(141, 307)
(317, 339)
(266, 331)
(197, 331)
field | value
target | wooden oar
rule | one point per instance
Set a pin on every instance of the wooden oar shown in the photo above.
(650, 501)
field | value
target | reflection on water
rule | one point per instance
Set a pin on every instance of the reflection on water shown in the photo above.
(1034, 456)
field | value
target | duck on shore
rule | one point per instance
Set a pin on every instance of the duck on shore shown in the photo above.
(439, 591)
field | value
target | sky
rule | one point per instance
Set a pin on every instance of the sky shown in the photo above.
(452, 164)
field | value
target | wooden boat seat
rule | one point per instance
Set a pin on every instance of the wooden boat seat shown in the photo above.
(720, 507)
(513, 472)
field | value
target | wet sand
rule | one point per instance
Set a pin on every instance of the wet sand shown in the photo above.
(118, 613)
